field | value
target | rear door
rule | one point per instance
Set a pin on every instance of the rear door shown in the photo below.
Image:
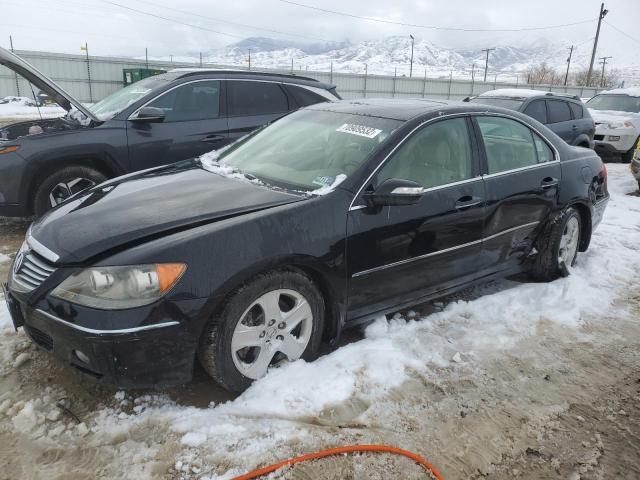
(582, 121)
(253, 103)
(398, 253)
(194, 123)
(522, 174)
(560, 120)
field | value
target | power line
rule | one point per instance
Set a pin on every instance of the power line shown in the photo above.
(622, 32)
(433, 27)
(233, 23)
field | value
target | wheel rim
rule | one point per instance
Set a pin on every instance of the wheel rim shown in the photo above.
(569, 242)
(275, 327)
(64, 190)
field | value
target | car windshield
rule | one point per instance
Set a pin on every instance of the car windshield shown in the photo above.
(108, 107)
(621, 103)
(307, 150)
(510, 103)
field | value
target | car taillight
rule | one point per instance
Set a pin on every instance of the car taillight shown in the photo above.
(603, 171)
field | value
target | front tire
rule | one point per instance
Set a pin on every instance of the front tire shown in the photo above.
(62, 184)
(626, 157)
(276, 316)
(557, 247)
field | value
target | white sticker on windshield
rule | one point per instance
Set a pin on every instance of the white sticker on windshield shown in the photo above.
(360, 130)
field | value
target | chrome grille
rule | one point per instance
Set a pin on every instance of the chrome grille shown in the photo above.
(30, 270)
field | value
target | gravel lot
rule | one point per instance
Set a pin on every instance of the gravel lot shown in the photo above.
(510, 380)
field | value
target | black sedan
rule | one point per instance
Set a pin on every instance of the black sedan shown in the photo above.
(326, 218)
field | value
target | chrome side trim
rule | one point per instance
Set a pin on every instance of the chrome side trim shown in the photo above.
(446, 250)
(509, 230)
(520, 169)
(106, 332)
(41, 250)
(413, 259)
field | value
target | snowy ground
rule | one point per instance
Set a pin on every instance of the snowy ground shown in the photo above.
(511, 380)
(15, 111)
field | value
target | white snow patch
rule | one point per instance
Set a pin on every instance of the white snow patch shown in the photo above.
(329, 188)
(4, 258)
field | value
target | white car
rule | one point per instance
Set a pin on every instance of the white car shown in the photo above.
(617, 117)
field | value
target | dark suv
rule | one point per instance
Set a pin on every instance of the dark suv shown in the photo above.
(156, 121)
(565, 114)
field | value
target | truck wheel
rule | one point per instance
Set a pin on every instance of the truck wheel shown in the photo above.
(626, 157)
(64, 183)
(557, 247)
(275, 317)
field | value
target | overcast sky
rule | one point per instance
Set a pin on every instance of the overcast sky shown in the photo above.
(63, 25)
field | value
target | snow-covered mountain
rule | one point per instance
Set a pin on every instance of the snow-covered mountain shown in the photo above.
(393, 54)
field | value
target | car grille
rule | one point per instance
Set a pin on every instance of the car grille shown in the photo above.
(598, 137)
(39, 337)
(30, 270)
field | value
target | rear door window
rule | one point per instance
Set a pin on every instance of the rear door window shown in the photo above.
(304, 97)
(558, 111)
(508, 144)
(537, 110)
(247, 98)
(576, 110)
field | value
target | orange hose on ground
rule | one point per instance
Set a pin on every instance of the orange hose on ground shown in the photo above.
(340, 450)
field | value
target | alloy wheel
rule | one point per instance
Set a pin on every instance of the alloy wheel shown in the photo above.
(63, 190)
(275, 327)
(569, 242)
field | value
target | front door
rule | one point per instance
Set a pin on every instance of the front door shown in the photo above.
(521, 181)
(194, 123)
(398, 253)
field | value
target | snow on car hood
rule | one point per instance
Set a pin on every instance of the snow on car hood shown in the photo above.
(607, 116)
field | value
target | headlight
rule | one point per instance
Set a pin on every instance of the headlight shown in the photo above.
(625, 124)
(115, 288)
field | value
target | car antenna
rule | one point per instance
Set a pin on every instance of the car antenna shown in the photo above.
(35, 100)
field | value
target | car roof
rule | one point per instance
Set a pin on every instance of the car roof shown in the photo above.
(524, 93)
(632, 92)
(254, 74)
(402, 109)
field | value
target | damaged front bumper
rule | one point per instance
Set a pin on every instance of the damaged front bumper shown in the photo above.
(158, 354)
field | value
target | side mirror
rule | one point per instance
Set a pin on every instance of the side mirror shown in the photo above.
(395, 192)
(149, 114)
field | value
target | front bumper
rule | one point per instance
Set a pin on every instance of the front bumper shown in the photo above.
(604, 143)
(156, 355)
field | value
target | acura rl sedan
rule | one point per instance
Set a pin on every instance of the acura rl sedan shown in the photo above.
(337, 213)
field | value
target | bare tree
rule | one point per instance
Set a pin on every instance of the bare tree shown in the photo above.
(611, 78)
(543, 74)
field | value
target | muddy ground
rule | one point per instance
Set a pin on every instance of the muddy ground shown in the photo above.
(563, 405)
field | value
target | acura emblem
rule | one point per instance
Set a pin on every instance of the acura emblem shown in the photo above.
(18, 263)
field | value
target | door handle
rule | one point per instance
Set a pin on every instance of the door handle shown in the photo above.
(548, 182)
(467, 202)
(575, 127)
(213, 138)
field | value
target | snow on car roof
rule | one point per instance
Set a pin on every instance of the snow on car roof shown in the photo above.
(514, 92)
(633, 92)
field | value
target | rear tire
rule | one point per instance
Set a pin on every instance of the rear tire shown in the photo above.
(252, 333)
(62, 184)
(626, 157)
(557, 247)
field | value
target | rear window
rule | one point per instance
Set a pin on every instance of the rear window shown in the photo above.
(304, 97)
(510, 103)
(558, 111)
(576, 110)
(255, 98)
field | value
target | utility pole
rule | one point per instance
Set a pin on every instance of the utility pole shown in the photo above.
(364, 93)
(566, 75)
(411, 64)
(14, 73)
(200, 59)
(603, 62)
(146, 57)
(603, 13)
(291, 64)
(86, 51)
(249, 59)
(486, 63)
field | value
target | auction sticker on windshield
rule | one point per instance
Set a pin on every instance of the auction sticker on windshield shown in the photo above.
(360, 130)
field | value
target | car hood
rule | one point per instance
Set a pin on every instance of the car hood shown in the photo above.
(140, 206)
(41, 81)
(605, 116)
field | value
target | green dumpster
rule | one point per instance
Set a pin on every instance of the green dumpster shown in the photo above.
(132, 75)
